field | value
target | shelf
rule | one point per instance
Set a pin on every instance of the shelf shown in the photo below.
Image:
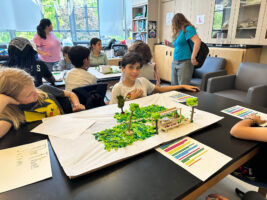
(142, 18)
(219, 10)
(222, 29)
(140, 32)
(250, 5)
(248, 28)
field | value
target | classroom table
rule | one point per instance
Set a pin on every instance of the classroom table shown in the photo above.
(104, 78)
(149, 175)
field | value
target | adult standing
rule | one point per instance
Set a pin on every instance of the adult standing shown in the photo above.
(48, 46)
(183, 35)
(96, 56)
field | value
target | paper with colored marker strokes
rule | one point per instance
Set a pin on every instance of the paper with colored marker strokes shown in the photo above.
(195, 157)
(181, 97)
(242, 112)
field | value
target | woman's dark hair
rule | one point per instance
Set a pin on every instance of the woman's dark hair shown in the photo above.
(41, 27)
(93, 41)
(143, 49)
(77, 54)
(131, 58)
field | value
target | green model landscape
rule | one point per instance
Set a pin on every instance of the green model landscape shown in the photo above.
(141, 126)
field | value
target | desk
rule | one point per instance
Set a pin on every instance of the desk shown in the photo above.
(104, 77)
(146, 176)
(114, 61)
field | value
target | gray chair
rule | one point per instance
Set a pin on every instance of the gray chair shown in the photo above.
(248, 85)
(212, 67)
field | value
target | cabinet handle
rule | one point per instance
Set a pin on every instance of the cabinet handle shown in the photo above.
(215, 56)
(170, 53)
(166, 53)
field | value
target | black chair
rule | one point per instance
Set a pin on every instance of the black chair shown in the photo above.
(65, 104)
(92, 96)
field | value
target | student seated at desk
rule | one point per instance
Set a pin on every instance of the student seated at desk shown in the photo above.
(149, 70)
(65, 63)
(96, 56)
(22, 102)
(258, 165)
(22, 55)
(79, 76)
(132, 87)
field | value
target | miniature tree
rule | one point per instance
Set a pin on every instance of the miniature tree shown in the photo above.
(156, 117)
(121, 101)
(133, 107)
(192, 102)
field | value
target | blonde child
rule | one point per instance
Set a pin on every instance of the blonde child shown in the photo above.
(22, 102)
(132, 87)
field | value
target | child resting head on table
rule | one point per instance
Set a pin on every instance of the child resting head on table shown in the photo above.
(22, 102)
(132, 87)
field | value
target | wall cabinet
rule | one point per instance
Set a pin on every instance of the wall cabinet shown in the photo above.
(263, 35)
(235, 56)
(163, 57)
(237, 22)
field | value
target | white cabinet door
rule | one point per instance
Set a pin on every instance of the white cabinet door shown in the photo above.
(248, 21)
(263, 34)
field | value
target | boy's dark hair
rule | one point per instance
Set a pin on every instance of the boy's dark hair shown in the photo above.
(131, 58)
(65, 49)
(143, 49)
(77, 54)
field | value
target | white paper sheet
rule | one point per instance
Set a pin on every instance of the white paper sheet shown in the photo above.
(24, 165)
(63, 126)
(241, 112)
(195, 157)
(85, 154)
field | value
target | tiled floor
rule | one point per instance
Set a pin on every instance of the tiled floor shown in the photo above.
(225, 187)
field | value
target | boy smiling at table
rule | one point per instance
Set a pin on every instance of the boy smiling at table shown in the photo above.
(132, 87)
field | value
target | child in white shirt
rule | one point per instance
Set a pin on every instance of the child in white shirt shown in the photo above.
(132, 87)
(79, 76)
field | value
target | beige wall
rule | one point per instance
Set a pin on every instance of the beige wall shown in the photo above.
(263, 58)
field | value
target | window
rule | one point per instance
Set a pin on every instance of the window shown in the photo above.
(4, 37)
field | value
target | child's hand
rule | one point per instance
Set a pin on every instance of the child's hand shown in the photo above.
(8, 99)
(191, 88)
(257, 119)
(216, 197)
(136, 93)
(78, 107)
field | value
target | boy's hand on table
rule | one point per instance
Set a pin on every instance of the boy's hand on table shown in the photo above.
(191, 88)
(78, 107)
(257, 119)
(216, 197)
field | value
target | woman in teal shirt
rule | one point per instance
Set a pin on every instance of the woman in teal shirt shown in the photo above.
(183, 59)
(96, 56)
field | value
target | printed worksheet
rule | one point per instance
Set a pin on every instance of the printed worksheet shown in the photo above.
(195, 157)
(242, 112)
(24, 165)
(181, 97)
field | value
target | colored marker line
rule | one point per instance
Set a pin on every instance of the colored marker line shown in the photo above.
(183, 148)
(185, 152)
(192, 160)
(184, 97)
(246, 113)
(232, 109)
(189, 153)
(176, 145)
(238, 110)
(188, 158)
(179, 147)
(195, 162)
(167, 145)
